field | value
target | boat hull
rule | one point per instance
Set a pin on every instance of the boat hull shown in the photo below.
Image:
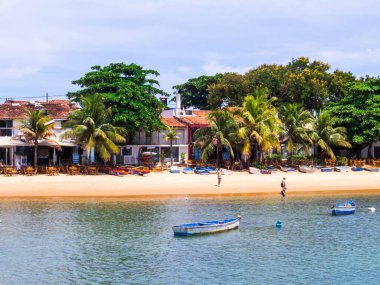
(207, 227)
(347, 208)
(306, 169)
(336, 211)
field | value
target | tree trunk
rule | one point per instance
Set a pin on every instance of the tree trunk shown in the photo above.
(370, 154)
(171, 153)
(35, 153)
(217, 155)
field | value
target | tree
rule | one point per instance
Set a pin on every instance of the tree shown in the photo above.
(35, 128)
(297, 122)
(230, 90)
(129, 91)
(260, 125)
(326, 136)
(92, 128)
(195, 93)
(170, 136)
(359, 112)
(217, 136)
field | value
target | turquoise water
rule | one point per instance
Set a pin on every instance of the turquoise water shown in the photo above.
(131, 242)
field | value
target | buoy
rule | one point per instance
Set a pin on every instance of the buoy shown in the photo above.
(371, 209)
(278, 224)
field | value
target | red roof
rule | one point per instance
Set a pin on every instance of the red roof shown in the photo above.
(56, 109)
(171, 122)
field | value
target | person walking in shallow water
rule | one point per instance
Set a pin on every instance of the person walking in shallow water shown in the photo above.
(219, 172)
(283, 186)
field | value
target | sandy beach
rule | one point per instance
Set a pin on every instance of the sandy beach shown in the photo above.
(166, 184)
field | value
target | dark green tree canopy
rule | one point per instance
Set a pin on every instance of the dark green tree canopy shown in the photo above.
(129, 91)
(359, 111)
(194, 92)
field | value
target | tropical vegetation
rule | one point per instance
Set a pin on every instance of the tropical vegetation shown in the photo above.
(91, 126)
(37, 127)
(170, 136)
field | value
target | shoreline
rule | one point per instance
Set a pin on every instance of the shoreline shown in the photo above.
(175, 186)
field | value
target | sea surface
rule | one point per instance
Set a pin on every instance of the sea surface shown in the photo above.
(131, 242)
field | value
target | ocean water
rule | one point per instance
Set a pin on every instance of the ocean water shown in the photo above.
(131, 242)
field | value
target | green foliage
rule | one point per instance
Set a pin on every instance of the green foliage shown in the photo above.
(260, 125)
(194, 93)
(341, 160)
(274, 157)
(326, 135)
(297, 125)
(129, 91)
(36, 127)
(92, 128)
(170, 136)
(218, 135)
(359, 111)
(301, 81)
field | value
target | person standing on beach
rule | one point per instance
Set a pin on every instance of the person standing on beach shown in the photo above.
(283, 186)
(219, 173)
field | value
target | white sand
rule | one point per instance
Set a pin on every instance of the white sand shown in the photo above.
(181, 185)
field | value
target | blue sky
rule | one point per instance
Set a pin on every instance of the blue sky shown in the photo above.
(45, 44)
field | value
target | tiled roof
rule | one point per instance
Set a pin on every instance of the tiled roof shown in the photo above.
(56, 109)
(194, 120)
(201, 113)
(171, 122)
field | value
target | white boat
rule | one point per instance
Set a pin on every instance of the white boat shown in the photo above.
(287, 168)
(342, 168)
(226, 171)
(306, 169)
(254, 170)
(206, 227)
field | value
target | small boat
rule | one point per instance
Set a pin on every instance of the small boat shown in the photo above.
(188, 170)
(211, 170)
(206, 227)
(287, 168)
(140, 170)
(174, 169)
(201, 170)
(371, 169)
(265, 171)
(254, 170)
(226, 171)
(306, 169)
(357, 168)
(271, 168)
(342, 168)
(371, 209)
(326, 169)
(278, 224)
(346, 208)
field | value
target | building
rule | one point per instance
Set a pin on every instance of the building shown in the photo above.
(14, 151)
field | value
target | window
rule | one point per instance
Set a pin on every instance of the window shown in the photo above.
(6, 128)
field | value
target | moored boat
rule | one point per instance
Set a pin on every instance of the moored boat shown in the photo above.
(254, 170)
(305, 169)
(206, 227)
(174, 169)
(188, 170)
(342, 168)
(326, 169)
(211, 170)
(346, 208)
(371, 169)
(287, 168)
(357, 168)
(140, 170)
(201, 170)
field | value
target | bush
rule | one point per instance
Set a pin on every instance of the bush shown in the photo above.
(341, 160)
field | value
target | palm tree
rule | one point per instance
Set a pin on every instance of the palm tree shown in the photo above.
(297, 123)
(91, 127)
(217, 136)
(35, 128)
(170, 136)
(260, 125)
(326, 136)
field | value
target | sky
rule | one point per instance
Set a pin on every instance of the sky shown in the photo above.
(46, 44)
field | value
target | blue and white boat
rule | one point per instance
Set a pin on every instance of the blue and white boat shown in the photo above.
(346, 208)
(207, 227)
(188, 170)
(201, 170)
